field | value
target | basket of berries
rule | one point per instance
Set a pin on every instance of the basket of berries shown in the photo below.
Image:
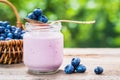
(11, 43)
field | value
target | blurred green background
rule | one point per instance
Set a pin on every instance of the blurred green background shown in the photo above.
(104, 33)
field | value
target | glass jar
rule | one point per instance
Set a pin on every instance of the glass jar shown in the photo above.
(43, 48)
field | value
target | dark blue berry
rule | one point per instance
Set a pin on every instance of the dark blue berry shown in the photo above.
(19, 29)
(80, 69)
(98, 70)
(8, 27)
(2, 38)
(21, 36)
(13, 29)
(7, 31)
(69, 69)
(22, 32)
(3, 35)
(2, 29)
(8, 38)
(10, 35)
(31, 16)
(75, 62)
(43, 19)
(17, 34)
(5, 23)
(37, 12)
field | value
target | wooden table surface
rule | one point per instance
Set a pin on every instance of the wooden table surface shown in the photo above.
(108, 58)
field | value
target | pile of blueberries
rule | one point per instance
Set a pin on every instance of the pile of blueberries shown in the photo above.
(75, 66)
(8, 32)
(37, 15)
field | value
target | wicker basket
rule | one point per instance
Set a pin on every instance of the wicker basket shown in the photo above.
(11, 52)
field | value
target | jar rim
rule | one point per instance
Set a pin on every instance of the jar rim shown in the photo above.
(38, 26)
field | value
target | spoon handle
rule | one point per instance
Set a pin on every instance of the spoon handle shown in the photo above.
(78, 22)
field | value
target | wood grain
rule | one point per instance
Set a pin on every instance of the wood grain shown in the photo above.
(110, 63)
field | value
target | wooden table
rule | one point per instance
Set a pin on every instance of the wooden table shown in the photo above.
(108, 58)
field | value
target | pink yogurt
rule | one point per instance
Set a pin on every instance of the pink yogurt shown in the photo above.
(43, 51)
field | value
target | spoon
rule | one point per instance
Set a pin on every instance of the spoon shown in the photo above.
(35, 22)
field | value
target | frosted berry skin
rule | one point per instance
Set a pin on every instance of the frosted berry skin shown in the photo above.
(19, 29)
(13, 28)
(8, 27)
(10, 35)
(43, 19)
(2, 38)
(8, 32)
(3, 35)
(69, 69)
(2, 29)
(98, 70)
(75, 62)
(80, 68)
(37, 12)
(37, 15)
(8, 38)
(5, 23)
(31, 16)
(21, 36)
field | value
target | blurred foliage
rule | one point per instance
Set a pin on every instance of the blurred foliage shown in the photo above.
(104, 33)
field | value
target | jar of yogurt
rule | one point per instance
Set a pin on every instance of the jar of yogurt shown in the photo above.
(43, 48)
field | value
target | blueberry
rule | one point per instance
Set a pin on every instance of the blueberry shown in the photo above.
(1, 23)
(31, 16)
(3, 35)
(7, 31)
(17, 34)
(80, 69)
(13, 28)
(2, 38)
(75, 62)
(21, 36)
(19, 29)
(8, 38)
(22, 32)
(37, 12)
(2, 29)
(43, 19)
(5, 23)
(8, 27)
(98, 70)
(10, 35)
(69, 69)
